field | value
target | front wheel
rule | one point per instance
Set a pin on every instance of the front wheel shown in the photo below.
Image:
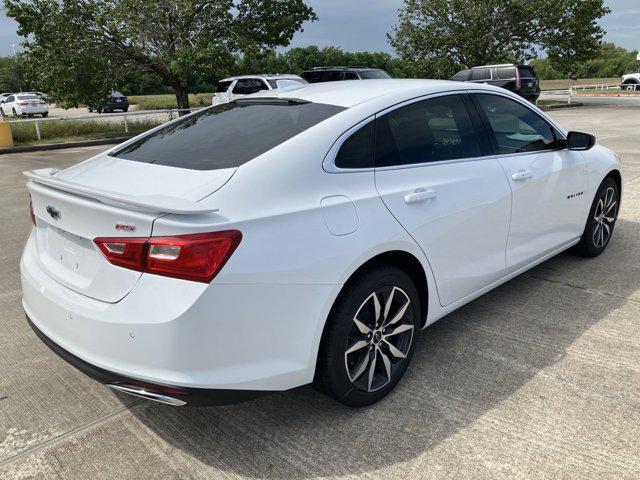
(45, 114)
(601, 221)
(369, 338)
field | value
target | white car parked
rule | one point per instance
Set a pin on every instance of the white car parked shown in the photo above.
(304, 236)
(236, 87)
(24, 104)
(630, 81)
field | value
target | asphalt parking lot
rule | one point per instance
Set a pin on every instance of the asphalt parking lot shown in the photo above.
(538, 379)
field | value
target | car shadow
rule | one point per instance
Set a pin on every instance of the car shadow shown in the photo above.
(464, 365)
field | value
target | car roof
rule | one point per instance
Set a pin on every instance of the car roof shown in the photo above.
(356, 69)
(503, 65)
(265, 76)
(354, 92)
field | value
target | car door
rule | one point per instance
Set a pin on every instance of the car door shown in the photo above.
(434, 177)
(547, 180)
(8, 105)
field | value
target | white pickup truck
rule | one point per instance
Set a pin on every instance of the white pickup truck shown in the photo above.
(630, 81)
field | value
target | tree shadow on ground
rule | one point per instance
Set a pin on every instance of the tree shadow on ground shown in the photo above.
(464, 365)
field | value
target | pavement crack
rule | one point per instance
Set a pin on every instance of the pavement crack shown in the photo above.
(584, 289)
(64, 436)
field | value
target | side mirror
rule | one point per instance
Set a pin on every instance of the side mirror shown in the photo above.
(580, 141)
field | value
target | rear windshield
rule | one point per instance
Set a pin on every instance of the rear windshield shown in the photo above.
(227, 135)
(28, 97)
(373, 74)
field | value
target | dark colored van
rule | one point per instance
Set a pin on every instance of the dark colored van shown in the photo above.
(520, 79)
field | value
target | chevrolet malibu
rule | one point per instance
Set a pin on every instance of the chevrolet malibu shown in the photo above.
(303, 236)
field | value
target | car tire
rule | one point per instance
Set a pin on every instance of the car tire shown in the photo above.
(601, 220)
(369, 338)
(125, 110)
(90, 110)
(13, 112)
(45, 114)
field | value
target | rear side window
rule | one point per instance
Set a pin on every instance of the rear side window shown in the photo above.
(527, 72)
(227, 135)
(351, 76)
(427, 131)
(374, 75)
(333, 76)
(506, 73)
(515, 127)
(223, 86)
(313, 76)
(357, 151)
(247, 86)
(481, 74)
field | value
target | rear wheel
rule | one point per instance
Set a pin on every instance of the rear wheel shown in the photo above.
(601, 220)
(45, 114)
(13, 112)
(369, 338)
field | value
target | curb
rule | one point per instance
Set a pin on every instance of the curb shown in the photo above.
(545, 108)
(59, 146)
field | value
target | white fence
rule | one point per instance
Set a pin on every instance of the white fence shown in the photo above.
(107, 117)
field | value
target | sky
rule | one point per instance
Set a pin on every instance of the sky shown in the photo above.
(361, 25)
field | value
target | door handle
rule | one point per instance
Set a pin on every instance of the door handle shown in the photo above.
(521, 175)
(419, 196)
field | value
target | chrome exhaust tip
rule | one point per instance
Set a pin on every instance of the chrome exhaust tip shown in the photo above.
(148, 394)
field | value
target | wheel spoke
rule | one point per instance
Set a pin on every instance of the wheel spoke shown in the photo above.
(610, 207)
(398, 316)
(402, 328)
(356, 346)
(394, 351)
(387, 305)
(361, 368)
(361, 326)
(372, 369)
(606, 227)
(387, 364)
(376, 306)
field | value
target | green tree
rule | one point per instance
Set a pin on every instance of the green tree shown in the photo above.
(489, 31)
(13, 74)
(82, 47)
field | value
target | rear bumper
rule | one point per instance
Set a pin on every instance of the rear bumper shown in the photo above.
(222, 337)
(197, 397)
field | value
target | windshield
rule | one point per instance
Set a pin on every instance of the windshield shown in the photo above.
(374, 75)
(227, 135)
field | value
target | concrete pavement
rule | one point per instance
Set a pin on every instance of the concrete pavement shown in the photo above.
(538, 379)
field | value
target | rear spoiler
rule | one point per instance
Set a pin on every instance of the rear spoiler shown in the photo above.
(142, 203)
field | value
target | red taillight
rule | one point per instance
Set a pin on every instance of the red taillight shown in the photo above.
(33, 215)
(197, 257)
(23, 104)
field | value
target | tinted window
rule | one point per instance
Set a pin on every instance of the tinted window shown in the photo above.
(313, 76)
(357, 151)
(248, 86)
(527, 72)
(351, 76)
(461, 76)
(515, 127)
(10, 99)
(506, 73)
(374, 75)
(481, 74)
(223, 86)
(427, 131)
(273, 83)
(333, 76)
(226, 135)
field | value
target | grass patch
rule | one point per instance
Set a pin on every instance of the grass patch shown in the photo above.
(57, 131)
(564, 83)
(161, 102)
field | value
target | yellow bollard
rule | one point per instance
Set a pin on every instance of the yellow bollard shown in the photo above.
(6, 137)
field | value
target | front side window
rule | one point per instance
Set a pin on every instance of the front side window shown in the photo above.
(357, 151)
(515, 127)
(428, 131)
(248, 86)
(227, 135)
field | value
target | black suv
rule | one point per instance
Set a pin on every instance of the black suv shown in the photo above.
(520, 79)
(336, 74)
(115, 101)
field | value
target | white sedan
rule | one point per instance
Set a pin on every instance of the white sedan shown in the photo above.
(303, 236)
(21, 104)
